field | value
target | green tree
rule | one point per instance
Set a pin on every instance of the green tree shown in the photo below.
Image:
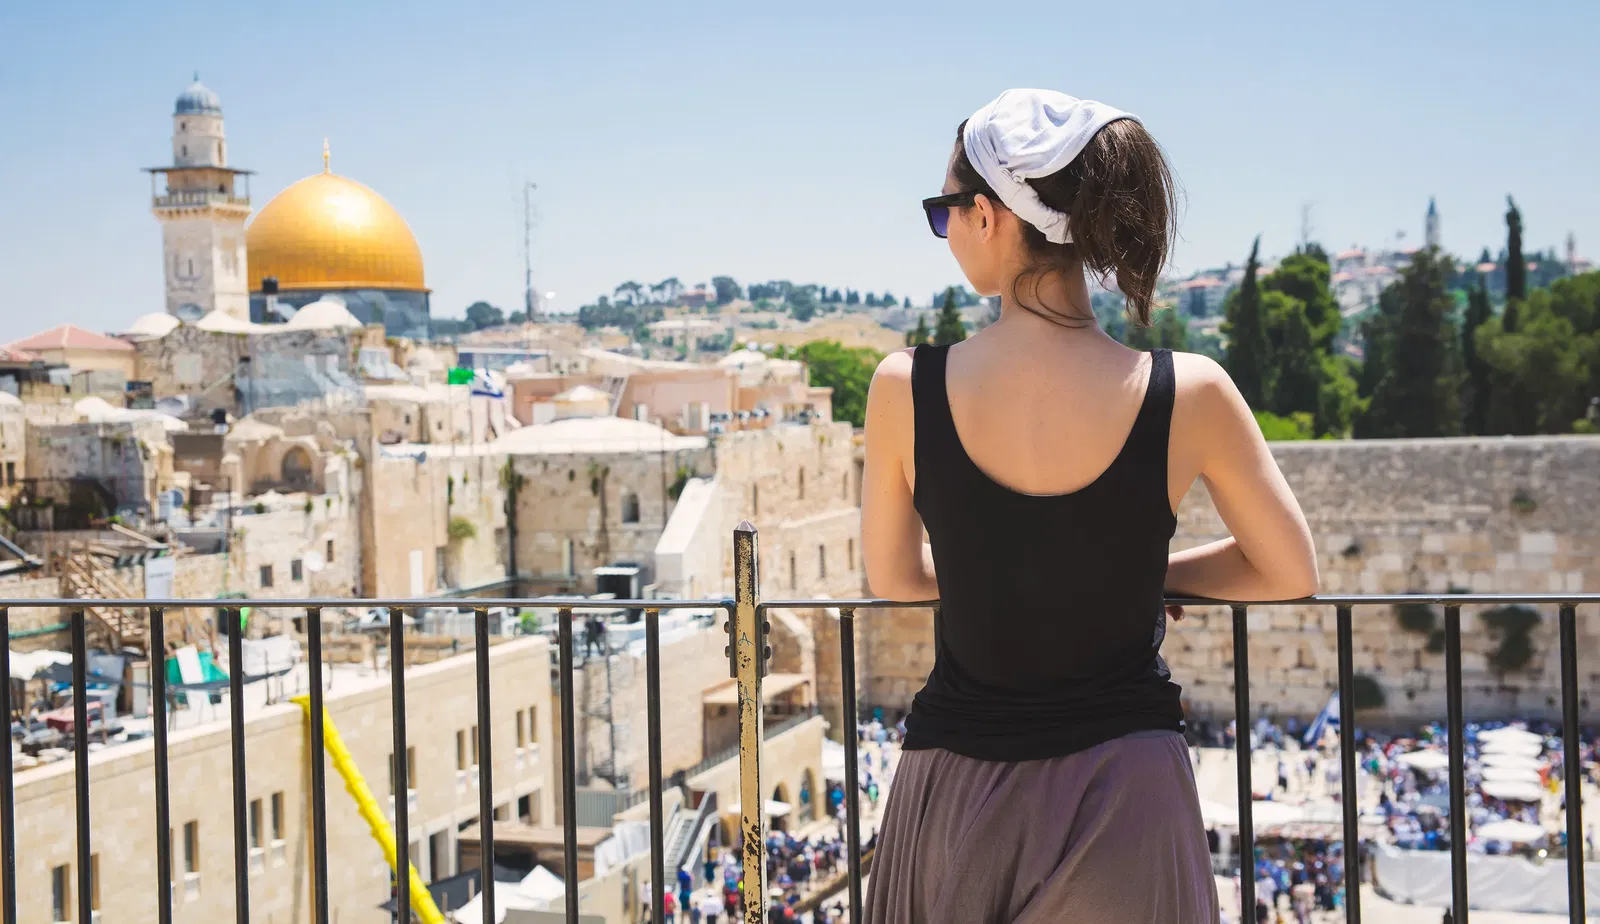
(1293, 374)
(949, 329)
(847, 370)
(803, 303)
(1247, 343)
(1516, 263)
(1169, 332)
(1304, 275)
(1296, 426)
(727, 289)
(1478, 371)
(920, 335)
(1339, 401)
(1419, 392)
(482, 314)
(1550, 362)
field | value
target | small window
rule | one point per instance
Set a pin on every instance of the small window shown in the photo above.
(266, 575)
(794, 575)
(630, 508)
(522, 731)
(850, 553)
(255, 823)
(183, 126)
(822, 561)
(533, 728)
(191, 266)
(844, 487)
(94, 882)
(329, 555)
(755, 500)
(474, 745)
(502, 813)
(296, 573)
(802, 484)
(60, 897)
(408, 420)
(191, 846)
(461, 751)
(11, 473)
(185, 149)
(277, 816)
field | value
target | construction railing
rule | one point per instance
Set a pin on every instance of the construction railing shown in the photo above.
(748, 654)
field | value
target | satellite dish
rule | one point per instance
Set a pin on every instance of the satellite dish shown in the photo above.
(314, 562)
(189, 312)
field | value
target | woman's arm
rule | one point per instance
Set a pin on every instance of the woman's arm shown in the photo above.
(1269, 554)
(899, 564)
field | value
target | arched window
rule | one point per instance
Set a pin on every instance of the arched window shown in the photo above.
(630, 507)
(808, 797)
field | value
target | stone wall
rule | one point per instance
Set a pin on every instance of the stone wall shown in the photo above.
(415, 496)
(282, 539)
(132, 460)
(13, 446)
(198, 363)
(1389, 516)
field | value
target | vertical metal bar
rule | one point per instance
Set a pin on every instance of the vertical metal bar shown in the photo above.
(480, 630)
(749, 649)
(8, 808)
(569, 767)
(397, 764)
(1347, 769)
(319, 782)
(852, 770)
(1241, 752)
(1457, 743)
(158, 725)
(652, 696)
(241, 851)
(80, 753)
(1572, 769)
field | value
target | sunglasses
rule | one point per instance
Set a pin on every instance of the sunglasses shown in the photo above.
(938, 210)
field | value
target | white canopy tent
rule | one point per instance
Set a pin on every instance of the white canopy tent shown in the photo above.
(1509, 829)
(1426, 759)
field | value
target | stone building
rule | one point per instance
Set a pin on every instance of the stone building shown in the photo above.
(13, 446)
(130, 461)
(221, 362)
(1388, 516)
(442, 763)
(438, 520)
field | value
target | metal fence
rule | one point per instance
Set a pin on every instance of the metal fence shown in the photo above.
(748, 654)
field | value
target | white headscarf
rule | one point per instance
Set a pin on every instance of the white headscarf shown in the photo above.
(1026, 134)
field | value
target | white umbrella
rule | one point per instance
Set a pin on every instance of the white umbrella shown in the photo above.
(1509, 733)
(1219, 814)
(1512, 746)
(1267, 812)
(1513, 774)
(1520, 761)
(1513, 792)
(1425, 760)
(1517, 832)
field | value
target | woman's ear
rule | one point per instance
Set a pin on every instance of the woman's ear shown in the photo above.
(987, 215)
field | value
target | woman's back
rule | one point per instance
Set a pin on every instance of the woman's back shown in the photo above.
(1050, 568)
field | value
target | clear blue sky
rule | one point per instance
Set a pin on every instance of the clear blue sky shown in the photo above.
(693, 139)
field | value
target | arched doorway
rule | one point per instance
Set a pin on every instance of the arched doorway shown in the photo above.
(806, 809)
(780, 794)
(296, 468)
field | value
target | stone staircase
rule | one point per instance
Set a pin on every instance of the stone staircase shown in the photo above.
(615, 386)
(83, 577)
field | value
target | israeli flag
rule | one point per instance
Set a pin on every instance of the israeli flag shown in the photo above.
(484, 385)
(1328, 717)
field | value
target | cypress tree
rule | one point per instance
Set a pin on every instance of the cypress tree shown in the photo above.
(949, 328)
(1247, 342)
(919, 336)
(1419, 393)
(1478, 371)
(1516, 264)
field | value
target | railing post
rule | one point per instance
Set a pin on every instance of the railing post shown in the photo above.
(1571, 763)
(158, 725)
(1457, 746)
(8, 813)
(480, 663)
(1347, 768)
(569, 767)
(852, 770)
(80, 754)
(652, 692)
(1241, 751)
(750, 655)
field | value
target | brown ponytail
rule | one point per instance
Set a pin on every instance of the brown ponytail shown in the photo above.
(1120, 201)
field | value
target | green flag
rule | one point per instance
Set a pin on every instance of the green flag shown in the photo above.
(459, 376)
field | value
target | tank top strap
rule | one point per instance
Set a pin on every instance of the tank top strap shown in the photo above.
(1148, 441)
(935, 430)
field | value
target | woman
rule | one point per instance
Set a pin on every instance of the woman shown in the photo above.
(1044, 775)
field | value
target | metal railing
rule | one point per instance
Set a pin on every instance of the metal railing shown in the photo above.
(748, 654)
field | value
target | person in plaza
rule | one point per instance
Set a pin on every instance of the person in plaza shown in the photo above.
(1044, 460)
(594, 636)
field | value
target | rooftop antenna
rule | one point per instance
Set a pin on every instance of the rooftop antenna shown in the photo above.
(1305, 225)
(530, 298)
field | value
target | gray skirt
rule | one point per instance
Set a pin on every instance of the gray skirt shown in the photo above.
(1110, 835)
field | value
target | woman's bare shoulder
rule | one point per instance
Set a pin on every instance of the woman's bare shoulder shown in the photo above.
(896, 366)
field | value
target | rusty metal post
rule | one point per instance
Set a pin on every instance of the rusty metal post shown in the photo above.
(750, 659)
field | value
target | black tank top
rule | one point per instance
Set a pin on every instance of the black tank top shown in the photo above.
(1048, 635)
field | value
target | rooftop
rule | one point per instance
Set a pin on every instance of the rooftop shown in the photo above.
(594, 434)
(70, 337)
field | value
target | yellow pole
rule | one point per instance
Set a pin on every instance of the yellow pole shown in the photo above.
(354, 783)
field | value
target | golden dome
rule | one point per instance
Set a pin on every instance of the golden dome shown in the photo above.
(330, 232)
